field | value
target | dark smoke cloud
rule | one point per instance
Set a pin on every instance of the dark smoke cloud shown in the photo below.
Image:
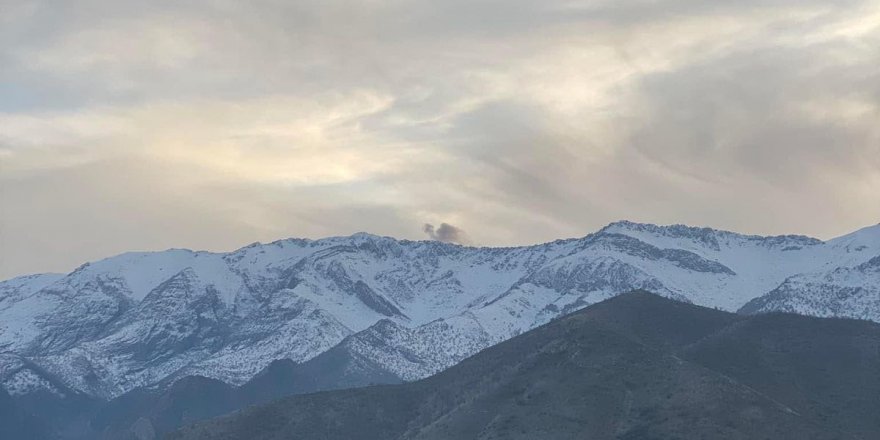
(446, 233)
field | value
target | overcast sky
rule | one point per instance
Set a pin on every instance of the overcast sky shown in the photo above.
(134, 125)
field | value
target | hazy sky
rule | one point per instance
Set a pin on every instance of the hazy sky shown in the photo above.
(135, 125)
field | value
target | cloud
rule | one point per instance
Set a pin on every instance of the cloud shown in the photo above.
(446, 233)
(526, 121)
(159, 204)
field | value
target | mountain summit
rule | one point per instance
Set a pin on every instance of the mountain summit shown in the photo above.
(402, 309)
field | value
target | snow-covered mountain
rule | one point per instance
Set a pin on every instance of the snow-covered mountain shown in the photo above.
(852, 292)
(411, 308)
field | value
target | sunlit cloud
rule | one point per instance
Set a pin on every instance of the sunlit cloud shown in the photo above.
(213, 124)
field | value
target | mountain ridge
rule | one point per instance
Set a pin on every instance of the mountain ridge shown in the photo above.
(120, 323)
(366, 234)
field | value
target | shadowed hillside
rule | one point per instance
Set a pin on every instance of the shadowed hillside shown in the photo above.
(634, 367)
(195, 398)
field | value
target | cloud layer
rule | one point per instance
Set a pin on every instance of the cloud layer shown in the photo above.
(211, 124)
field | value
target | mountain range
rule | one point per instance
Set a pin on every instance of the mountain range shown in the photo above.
(348, 311)
(636, 366)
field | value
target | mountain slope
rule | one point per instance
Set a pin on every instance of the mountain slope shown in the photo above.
(194, 398)
(409, 309)
(16, 423)
(634, 367)
(824, 369)
(852, 292)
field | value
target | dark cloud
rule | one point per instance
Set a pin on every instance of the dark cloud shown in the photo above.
(446, 233)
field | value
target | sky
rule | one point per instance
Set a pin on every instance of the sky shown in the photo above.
(132, 125)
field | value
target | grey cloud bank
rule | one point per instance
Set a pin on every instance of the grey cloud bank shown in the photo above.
(211, 124)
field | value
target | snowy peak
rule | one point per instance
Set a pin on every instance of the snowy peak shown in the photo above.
(140, 272)
(640, 249)
(703, 237)
(410, 307)
(859, 241)
(843, 292)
